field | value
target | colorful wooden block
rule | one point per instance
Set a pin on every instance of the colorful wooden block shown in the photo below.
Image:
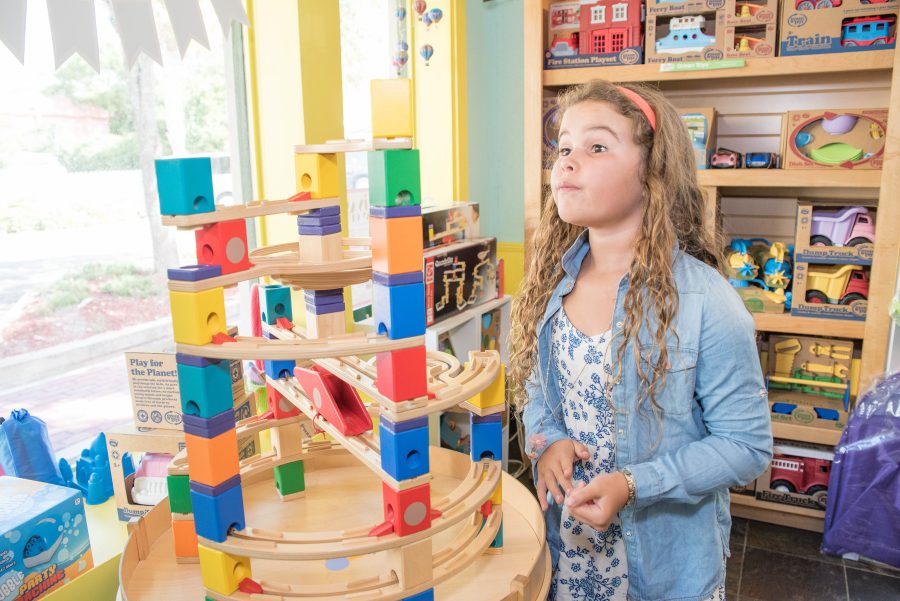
(212, 460)
(194, 273)
(493, 395)
(394, 178)
(185, 537)
(321, 249)
(397, 279)
(408, 510)
(404, 447)
(224, 244)
(222, 573)
(278, 405)
(185, 186)
(497, 495)
(498, 540)
(289, 478)
(399, 311)
(287, 440)
(209, 427)
(487, 439)
(205, 391)
(318, 220)
(179, 494)
(423, 596)
(394, 212)
(197, 316)
(279, 369)
(402, 375)
(274, 303)
(216, 515)
(396, 244)
(325, 326)
(317, 174)
(391, 108)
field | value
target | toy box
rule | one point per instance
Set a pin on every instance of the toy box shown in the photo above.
(701, 126)
(760, 272)
(43, 538)
(679, 38)
(834, 291)
(834, 234)
(750, 41)
(810, 380)
(751, 12)
(459, 276)
(446, 225)
(833, 138)
(594, 34)
(667, 7)
(847, 26)
(798, 475)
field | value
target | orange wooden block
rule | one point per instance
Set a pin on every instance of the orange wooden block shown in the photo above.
(396, 244)
(185, 538)
(212, 460)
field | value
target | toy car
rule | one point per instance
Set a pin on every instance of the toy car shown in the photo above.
(837, 284)
(761, 160)
(813, 4)
(868, 31)
(850, 226)
(725, 159)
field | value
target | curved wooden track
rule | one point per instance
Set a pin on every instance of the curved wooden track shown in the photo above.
(256, 208)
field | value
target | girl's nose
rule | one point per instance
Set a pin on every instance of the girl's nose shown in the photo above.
(567, 163)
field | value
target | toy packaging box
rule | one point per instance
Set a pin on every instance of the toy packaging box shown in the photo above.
(43, 538)
(446, 225)
(750, 41)
(701, 126)
(594, 34)
(751, 12)
(833, 138)
(834, 234)
(810, 380)
(833, 291)
(685, 37)
(798, 475)
(847, 26)
(459, 276)
(667, 7)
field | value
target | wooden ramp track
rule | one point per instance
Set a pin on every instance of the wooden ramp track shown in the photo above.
(256, 208)
(335, 146)
(465, 500)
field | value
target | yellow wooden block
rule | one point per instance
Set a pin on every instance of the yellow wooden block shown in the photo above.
(493, 395)
(497, 496)
(221, 572)
(317, 174)
(391, 108)
(197, 316)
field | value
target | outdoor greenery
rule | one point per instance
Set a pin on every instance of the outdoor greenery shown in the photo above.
(120, 280)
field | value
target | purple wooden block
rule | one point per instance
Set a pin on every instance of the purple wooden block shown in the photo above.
(325, 300)
(194, 273)
(218, 489)
(313, 230)
(310, 294)
(484, 419)
(209, 428)
(320, 221)
(335, 210)
(194, 361)
(391, 212)
(418, 422)
(323, 309)
(397, 279)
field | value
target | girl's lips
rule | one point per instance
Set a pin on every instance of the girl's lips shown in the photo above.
(567, 187)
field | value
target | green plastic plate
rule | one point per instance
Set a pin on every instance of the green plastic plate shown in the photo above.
(836, 153)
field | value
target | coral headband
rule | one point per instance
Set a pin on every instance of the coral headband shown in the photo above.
(642, 104)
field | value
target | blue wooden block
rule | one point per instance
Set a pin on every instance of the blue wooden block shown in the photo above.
(399, 311)
(194, 360)
(279, 369)
(397, 279)
(194, 273)
(487, 439)
(216, 515)
(209, 427)
(275, 302)
(205, 391)
(325, 211)
(318, 220)
(391, 212)
(423, 596)
(185, 186)
(498, 540)
(326, 230)
(404, 447)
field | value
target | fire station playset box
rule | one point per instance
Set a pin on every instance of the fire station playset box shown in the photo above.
(594, 34)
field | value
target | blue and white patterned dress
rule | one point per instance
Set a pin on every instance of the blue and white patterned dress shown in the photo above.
(592, 565)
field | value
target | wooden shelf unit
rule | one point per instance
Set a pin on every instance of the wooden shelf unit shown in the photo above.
(797, 75)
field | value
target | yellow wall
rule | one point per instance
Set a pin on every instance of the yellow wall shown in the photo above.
(513, 255)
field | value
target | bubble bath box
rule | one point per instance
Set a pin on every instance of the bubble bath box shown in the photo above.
(44, 539)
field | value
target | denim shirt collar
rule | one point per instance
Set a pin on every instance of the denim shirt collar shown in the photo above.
(575, 254)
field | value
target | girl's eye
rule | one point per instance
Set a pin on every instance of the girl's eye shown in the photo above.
(598, 148)
(564, 152)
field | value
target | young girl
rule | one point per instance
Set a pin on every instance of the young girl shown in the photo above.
(642, 391)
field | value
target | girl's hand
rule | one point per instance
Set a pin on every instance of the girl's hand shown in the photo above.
(598, 503)
(555, 469)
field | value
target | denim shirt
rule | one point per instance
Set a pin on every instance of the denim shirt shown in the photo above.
(716, 430)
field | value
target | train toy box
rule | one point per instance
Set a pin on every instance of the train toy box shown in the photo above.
(798, 475)
(460, 276)
(834, 138)
(825, 26)
(43, 538)
(446, 225)
(594, 34)
(690, 37)
(834, 234)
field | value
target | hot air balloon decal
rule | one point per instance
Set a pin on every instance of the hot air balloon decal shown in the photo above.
(420, 6)
(400, 59)
(435, 14)
(401, 13)
(426, 52)
(426, 19)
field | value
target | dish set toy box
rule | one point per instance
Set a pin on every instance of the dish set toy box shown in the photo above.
(825, 26)
(834, 138)
(798, 475)
(459, 276)
(701, 127)
(595, 33)
(44, 539)
(446, 225)
(685, 36)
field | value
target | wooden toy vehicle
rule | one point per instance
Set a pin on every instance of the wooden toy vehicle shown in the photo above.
(815, 4)
(685, 35)
(725, 159)
(868, 31)
(801, 475)
(761, 160)
(837, 284)
(850, 226)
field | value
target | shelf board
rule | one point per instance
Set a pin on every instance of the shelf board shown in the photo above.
(812, 326)
(780, 66)
(777, 513)
(801, 433)
(838, 183)
(462, 317)
(780, 507)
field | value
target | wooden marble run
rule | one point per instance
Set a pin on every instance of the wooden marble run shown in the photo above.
(220, 512)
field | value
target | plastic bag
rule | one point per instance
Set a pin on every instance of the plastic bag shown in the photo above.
(864, 496)
(25, 450)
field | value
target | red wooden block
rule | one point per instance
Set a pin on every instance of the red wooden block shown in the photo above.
(402, 374)
(224, 244)
(335, 400)
(409, 511)
(278, 405)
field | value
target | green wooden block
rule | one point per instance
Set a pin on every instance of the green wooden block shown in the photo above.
(179, 494)
(289, 478)
(394, 178)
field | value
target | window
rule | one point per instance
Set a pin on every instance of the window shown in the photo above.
(598, 42)
(598, 15)
(620, 12)
(617, 41)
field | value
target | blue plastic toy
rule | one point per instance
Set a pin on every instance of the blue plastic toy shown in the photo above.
(92, 474)
(25, 450)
